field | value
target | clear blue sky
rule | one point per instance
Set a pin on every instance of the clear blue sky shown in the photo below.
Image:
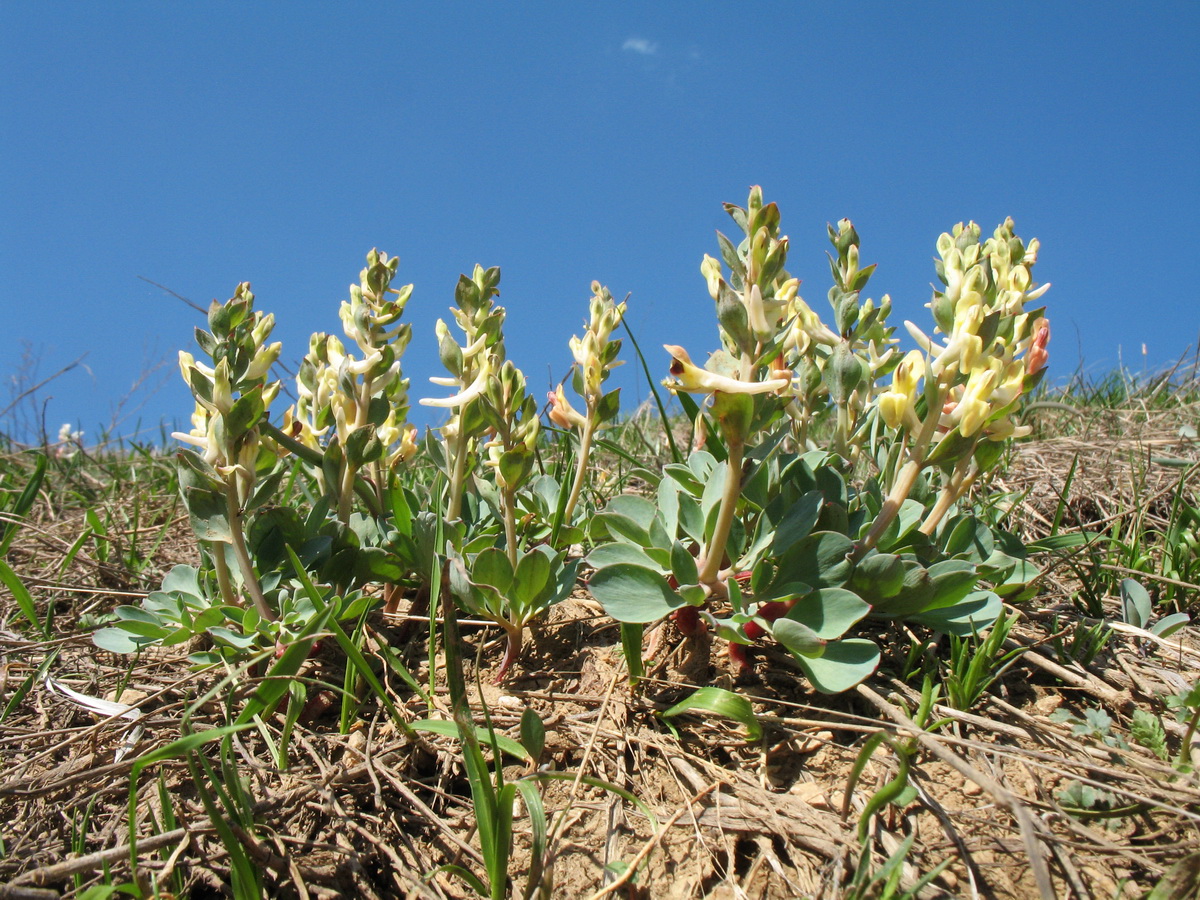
(203, 144)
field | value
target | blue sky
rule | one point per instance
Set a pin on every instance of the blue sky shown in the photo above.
(199, 145)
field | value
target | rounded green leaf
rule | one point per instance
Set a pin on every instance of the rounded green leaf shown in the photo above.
(118, 640)
(797, 637)
(970, 615)
(1168, 625)
(820, 560)
(1135, 603)
(632, 593)
(532, 575)
(798, 522)
(683, 564)
(829, 612)
(620, 552)
(533, 734)
(841, 666)
(183, 579)
(491, 567)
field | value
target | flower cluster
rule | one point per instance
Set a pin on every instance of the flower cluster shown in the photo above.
(756, 303)
(595, 356)
(473, 362)
(994, 349)
(364, 401)
(233, 394)
(774, 344)
(472, 365)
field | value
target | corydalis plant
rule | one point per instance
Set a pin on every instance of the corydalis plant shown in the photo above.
(362, 402)
(952, 402)
(511, 586)
(471, 365)
(595, 356)
(508, 585)
(786, 544)
(747, 380)
(220, 479)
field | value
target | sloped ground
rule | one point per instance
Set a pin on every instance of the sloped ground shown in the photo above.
(372, 813)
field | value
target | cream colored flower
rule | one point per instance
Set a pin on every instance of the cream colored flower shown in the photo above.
(690, 378)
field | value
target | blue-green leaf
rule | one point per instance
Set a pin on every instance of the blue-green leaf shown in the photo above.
(118, 640)
(820, 560)
(632, 593)
(970, 615)
(797, 637)
(798, 522)
(841, 666)
(829, 612)
(1168, 625)
(620, 552)
(1135, 603)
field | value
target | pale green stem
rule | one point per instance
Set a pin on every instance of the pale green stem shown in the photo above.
(960, 480)
(224, 581)
(509, 498)
(346, 491)
(242, 554)
(715, 552)
(906, 478)
(457, 473)
(349, 471)
(585, 451)
(1185, 749)
(842, 431)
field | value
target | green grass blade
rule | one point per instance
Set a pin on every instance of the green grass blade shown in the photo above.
(466, 875)
(720, 702)
(182, 746)
(662, 410)
(1063, 497)
(450, 729)
(860, 763)
(595, 782)
(74, 551)
(24, 600)
(24, 503)
(353, 654)
(539, 830)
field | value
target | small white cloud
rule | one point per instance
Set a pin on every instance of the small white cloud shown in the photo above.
(640, 45)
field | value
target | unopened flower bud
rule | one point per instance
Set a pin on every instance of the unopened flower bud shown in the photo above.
(711, 270)
(1038, 355)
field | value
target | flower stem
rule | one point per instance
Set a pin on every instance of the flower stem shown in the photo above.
(960, 480)
(457, 474)
(349, 471)
(585, 451)
(508, 497)
(715, 551)
(243, 554)
(224, 582)
(906, 478)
